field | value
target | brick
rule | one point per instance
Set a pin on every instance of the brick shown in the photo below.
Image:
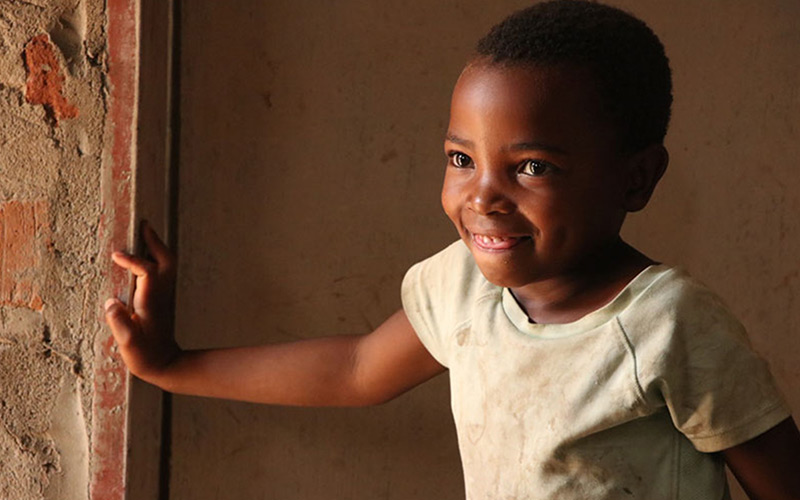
(45, 81)
(23, 233)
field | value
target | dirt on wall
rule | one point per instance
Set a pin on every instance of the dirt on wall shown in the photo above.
(53, 107)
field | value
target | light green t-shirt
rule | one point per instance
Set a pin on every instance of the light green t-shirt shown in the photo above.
(627, 402)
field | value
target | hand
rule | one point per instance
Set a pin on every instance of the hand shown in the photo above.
(144, 331)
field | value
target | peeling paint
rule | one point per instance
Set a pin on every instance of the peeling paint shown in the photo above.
(110, 376)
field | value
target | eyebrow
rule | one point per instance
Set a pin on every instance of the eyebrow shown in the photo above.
(519, 146)
(538, 146)
(458, 140)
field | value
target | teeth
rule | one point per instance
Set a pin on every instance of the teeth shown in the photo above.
(491, 239)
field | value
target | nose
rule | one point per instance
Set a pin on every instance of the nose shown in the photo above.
(489, 194)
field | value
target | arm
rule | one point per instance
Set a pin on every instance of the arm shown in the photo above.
(768, 466)
(333, 371)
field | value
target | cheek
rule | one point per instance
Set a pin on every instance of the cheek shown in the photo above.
(450, 198)
(544, 207)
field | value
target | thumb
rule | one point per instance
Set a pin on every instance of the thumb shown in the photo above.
(120, 321)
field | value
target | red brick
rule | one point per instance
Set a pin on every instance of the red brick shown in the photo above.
(45, 80)
(23, 228)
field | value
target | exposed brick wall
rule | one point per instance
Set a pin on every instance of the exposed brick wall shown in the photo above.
(45, 80)
(23, 236)
(55, 144)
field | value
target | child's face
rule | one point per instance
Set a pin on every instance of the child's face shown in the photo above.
(534, 180)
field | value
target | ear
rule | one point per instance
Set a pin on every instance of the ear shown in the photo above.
(645, 169)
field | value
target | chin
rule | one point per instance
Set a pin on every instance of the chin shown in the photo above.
(503, 274)
(504, 279)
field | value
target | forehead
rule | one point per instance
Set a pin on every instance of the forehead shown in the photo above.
(550, 102)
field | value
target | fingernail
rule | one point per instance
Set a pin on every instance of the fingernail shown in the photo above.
(109, 303)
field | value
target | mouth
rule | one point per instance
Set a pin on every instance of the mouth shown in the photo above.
(497, 243)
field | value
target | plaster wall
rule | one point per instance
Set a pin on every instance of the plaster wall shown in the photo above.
(59, 386)
(309, 181)
(51, 147)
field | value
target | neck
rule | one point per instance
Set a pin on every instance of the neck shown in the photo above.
(586, 287)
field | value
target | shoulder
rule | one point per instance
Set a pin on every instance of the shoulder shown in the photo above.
(677, 324)
(692, 355)
(439, 293)
(446, 281)
(451, 269)
(674, 303)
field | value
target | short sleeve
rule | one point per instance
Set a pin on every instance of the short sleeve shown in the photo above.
(437, 294)
(694, 357)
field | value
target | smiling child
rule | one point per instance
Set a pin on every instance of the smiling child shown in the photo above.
(579, 367)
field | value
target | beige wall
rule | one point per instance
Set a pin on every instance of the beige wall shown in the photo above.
(310, 168)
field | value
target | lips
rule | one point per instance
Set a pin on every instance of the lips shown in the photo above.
(495, 243)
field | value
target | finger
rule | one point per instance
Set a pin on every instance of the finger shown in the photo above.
(120, 321)
(137, 265)
(157, 248)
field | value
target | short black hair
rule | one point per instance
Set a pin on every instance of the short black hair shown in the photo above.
(621, 51)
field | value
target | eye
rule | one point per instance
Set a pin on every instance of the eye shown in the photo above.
(535, 168)
(460, 160)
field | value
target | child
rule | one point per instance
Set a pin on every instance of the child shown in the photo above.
(579, 367)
